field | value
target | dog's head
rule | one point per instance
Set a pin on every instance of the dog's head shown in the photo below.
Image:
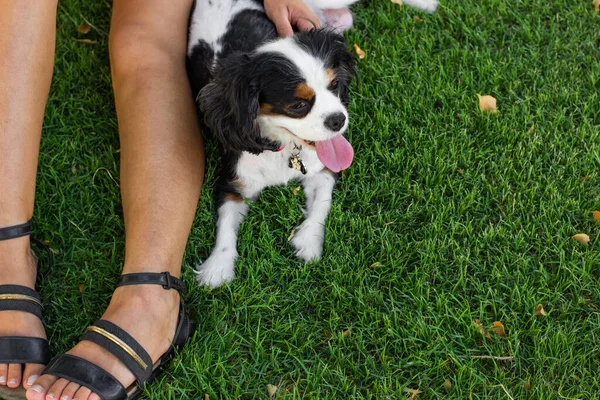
(293, 89)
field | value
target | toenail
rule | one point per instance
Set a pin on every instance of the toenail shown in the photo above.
(32, 379)
(64, 397)
(12, 382)
(37, 388)
(2, 379)
(50, 396)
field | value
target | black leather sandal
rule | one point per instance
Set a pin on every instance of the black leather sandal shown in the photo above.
(21, 349)
(124, 347)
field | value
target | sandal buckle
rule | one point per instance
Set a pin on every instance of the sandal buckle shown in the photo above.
(168, 281)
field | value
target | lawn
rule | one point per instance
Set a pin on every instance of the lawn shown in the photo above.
(447, 215)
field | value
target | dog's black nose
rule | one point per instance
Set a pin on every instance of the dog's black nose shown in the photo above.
(335, 122)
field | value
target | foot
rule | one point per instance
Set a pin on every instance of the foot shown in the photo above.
(18, 267)
(147, 312)
(308, 240)
(218, 269)
(339, 19)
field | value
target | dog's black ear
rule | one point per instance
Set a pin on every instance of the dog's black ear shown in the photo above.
(230, 105)
(344, 63)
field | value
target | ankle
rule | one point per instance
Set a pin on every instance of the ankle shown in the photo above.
(152, 299)
(18, 265)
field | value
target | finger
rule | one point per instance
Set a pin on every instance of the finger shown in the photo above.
(282, 23)
(305, 24)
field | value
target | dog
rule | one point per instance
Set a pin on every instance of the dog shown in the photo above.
(278, 108)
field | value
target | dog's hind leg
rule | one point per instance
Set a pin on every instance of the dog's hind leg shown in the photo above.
(219, 267)
(309, 236)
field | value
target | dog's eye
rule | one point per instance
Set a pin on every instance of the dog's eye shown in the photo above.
(334, 85)
(299, 106)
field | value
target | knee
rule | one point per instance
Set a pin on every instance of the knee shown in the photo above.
(138, 50)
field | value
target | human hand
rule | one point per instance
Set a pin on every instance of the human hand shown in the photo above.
(286, 13)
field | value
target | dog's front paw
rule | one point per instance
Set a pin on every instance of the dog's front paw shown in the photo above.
(427, 5)
(308, 241)
(217, 270)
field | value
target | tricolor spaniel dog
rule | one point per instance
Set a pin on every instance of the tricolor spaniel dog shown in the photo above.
(278, 110)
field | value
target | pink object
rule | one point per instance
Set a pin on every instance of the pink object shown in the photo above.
(340, 19)
(336, 154)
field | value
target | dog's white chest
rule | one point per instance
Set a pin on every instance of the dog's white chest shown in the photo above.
(272, 168)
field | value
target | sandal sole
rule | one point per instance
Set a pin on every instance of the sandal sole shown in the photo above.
(12, 394)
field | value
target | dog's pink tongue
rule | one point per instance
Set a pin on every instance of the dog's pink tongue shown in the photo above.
(336, 154)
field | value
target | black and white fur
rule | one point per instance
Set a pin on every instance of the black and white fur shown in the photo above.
(246, 82)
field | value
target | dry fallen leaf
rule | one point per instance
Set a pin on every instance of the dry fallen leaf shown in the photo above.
(296, 190)
(527, 384)
(84, 29)
(582, 238)
(346, 333)
(413, 392)
(271, 389)
(416, 18)
(498, 329)
(539, 310)
(481, 329)
(81, 287)
(376, 264)
(206, 396)
(291, 235)
(447, 384)
(596, 4)
(596, 215)
(361, 54)
(399, 2)
(86, 41)
(487, 103)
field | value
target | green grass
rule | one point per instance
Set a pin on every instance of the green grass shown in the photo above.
(447, 215)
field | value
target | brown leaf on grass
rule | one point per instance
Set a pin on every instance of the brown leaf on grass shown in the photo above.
(527, 384)
(582, 238)
(81, 287)
(359, 52)
(346, 333)
(296, 190)
(596, 4)
(596, 215)
(84, 29)
(271, 389)
(86, 41)
(584, 177)
(416, 18)
(413, 392)
(328, 334)
(206, 396)
(539, 310)
(291, 235)
(481, 329)
(487, 103)
(399, 2)
(498, 329)
(447, 384)
(376, 264)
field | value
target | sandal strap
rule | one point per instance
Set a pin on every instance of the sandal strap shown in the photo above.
(123, 346)
(165, 279)
(87, 374)
(20, 298)
(16, 231)
(24, 350)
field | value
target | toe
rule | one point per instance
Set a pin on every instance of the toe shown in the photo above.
(83, 393)
(39, 389)
(3, 374)
(56, 390)
(69, 391)
(94, 396)
(31, 373)
(14, 375)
